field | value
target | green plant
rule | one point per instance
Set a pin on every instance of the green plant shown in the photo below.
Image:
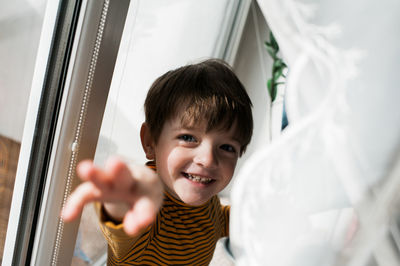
(278, 67)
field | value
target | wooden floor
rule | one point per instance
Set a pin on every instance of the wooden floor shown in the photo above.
(9, 152)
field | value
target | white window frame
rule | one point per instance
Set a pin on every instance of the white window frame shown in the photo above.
(89, 74)
(29, 128)
(88, 54)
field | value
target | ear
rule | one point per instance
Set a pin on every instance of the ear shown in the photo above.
(147, 142)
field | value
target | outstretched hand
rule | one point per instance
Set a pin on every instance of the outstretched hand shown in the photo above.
(130, 194)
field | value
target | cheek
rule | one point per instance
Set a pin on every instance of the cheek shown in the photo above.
(229, 169)
(176, 159)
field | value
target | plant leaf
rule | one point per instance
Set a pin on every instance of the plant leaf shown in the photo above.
(273, 94)
(278, 74)
(273, 41)
(278, 67)
(278, 63)
(269, 86)
(271, 51)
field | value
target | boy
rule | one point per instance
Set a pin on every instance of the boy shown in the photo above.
(198, 123)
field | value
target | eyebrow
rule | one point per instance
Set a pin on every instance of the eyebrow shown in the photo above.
(183, 127)
(237, 140)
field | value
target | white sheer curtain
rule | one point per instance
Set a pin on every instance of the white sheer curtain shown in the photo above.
(333, 170)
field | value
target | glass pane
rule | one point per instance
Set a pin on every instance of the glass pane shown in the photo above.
(155, 40)
(20, 27)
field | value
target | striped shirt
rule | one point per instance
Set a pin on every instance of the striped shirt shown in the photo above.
(181, 235)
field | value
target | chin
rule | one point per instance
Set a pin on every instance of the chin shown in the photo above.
(194, 202)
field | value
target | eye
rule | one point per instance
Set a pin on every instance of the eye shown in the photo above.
(187, 138)
(228, 148)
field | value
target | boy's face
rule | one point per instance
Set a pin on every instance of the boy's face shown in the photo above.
(194, 164)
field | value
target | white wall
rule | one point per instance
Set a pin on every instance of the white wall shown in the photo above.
(253, 67)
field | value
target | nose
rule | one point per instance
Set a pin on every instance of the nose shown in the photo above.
(206, 156)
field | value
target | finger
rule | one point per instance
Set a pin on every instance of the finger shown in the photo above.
(83, 194)
(143, 173)
(149, 184)
(142, 215)
(87, 171)
(83, 169)
(147, 181)
(121, 174)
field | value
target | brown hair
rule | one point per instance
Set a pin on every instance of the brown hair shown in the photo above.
(207, 91)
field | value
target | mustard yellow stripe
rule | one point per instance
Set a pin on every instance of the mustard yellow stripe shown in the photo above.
(191, 259)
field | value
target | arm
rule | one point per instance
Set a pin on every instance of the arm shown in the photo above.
(129, 194)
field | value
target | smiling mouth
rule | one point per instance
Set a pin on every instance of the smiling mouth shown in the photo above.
(198, 179)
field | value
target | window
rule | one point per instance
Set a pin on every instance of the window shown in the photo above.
(64, 79)
(95, 59)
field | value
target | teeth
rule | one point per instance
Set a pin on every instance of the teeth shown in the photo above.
(199, 179)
